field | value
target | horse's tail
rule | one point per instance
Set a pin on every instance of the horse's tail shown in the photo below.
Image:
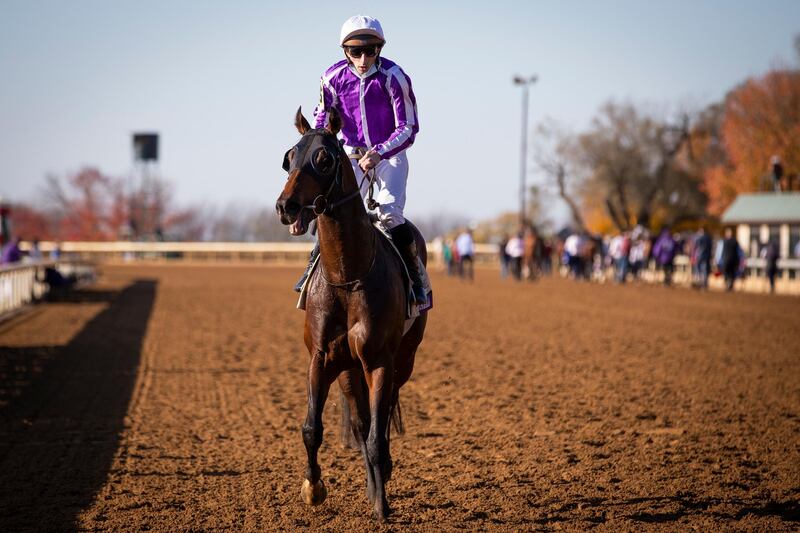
(346, 427)
(396, 416)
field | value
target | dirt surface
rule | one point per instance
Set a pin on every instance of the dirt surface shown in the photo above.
(171, 398)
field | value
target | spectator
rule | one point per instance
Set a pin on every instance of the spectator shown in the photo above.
(664, 252)
(504, 258)
(466, 250)
(573, 247)
(591, 255)
(447, 256)
(11, 252)
(35, 253)
(55, 253)
(619, 249)
(547, 257)
(702, 256)
(729, 255)
(515, 248)
(771, 253)
(639, 250)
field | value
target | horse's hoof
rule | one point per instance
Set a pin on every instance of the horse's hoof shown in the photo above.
(313, 494)
(382, 513)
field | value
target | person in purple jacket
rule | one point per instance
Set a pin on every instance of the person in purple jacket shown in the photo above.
(374, 98)
(664, 251)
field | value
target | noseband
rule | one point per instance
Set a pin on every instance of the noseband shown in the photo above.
(313, 141)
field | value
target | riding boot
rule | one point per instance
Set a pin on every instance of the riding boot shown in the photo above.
(311, 258)
(404, 240)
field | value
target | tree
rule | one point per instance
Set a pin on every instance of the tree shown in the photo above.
(80, 206)
(624, 170)
(632, 166)
(797, 46)
(555, 158)
(761, 120)
(29, 223)
(90, 205)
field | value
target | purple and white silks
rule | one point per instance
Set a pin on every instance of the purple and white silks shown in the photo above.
(378, 109)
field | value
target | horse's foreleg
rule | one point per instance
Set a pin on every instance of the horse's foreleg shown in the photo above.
(379, 381)
(320, 378)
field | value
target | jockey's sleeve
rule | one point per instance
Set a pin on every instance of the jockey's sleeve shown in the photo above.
(405, 112)
(326, 100)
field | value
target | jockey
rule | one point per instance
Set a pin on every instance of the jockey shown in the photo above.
(379, 122)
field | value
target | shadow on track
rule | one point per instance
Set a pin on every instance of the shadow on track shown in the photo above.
(62, 411)
(671, 509)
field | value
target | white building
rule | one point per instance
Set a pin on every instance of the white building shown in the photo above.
(760, 217)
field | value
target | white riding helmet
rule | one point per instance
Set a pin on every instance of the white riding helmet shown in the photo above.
(360, 25)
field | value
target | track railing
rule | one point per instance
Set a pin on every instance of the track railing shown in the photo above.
(254, 252)
(788, 279)
(753, 279)
(23, 283)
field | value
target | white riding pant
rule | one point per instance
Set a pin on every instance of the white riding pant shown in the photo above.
(391, 176)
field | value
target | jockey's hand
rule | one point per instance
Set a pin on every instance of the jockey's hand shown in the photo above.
(370, 160)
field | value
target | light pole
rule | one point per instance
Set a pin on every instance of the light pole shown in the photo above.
(523, 156)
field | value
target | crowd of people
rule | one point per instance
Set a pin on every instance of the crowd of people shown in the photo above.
(525, 254)
(623, 257)
(11, 252)
(626, 255)
(458, 255)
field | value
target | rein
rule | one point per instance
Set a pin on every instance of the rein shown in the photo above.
(371, 202)
(320, 205)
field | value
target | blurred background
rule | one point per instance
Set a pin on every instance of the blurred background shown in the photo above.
(158, 383)
(640, 114)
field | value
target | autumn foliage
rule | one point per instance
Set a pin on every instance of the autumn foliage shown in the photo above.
(92, 206)
(761, 118)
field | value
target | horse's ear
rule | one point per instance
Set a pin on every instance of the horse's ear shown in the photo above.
(334, 121)
(300, 122)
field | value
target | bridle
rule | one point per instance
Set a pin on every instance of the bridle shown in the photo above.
(321, 203)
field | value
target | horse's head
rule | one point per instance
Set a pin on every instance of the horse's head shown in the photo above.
(314, 165)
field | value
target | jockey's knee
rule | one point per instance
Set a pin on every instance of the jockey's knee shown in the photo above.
(391, 218)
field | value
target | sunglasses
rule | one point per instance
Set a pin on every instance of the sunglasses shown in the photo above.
(357, 51)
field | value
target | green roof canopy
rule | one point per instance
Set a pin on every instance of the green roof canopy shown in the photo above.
(764, 208)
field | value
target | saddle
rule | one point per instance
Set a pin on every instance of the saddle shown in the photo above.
(412, 310)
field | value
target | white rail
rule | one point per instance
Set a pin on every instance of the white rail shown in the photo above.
(23, 283)
(787, 281)
(273, 252)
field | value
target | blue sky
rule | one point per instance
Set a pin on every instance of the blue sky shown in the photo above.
(220, 81)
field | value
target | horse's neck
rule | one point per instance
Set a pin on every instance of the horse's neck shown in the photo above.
(346, 237)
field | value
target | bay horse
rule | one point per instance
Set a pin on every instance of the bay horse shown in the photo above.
(356, 304)
(533, 251)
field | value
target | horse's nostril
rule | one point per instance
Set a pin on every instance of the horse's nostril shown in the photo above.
(280, 206)
(291, 207)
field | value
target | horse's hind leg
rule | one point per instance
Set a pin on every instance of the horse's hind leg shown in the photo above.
(347, 434)
(320, 378)
(352, 385)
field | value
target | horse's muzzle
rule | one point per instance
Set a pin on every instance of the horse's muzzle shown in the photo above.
(288, 210)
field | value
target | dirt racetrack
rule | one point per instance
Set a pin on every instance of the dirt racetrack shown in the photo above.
(170, 398)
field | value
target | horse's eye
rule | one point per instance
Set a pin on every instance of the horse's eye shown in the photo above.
(287, 159)
(323, 161)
